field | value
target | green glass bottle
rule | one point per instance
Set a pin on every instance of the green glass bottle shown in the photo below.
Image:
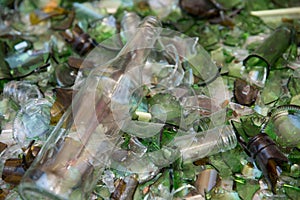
(259, 63)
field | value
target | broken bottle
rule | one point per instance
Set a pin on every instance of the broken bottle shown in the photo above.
(72, 159)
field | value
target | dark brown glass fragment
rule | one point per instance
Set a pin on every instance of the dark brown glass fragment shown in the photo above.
(15, 168)
(79, 63)
(30, 153)
(65, 23)
(63, 101)
(3, 193)
(125, 188)
(200, 8)
(3, 146)
(13, 171)
(80, 41)
(244, 93)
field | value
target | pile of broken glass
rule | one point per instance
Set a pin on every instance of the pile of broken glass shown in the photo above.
(189, 99)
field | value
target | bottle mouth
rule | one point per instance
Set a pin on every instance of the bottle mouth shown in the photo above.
(38, 184)
(285, 110)
(30, 191)
(151, 21)
(229, 139)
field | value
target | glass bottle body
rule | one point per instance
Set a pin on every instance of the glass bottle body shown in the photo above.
(264, 57)
(208, 143)
(74, 156)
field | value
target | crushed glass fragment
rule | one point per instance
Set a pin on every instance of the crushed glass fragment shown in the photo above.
(80, 41)
(3, 146)
(244, 93)
(125, 188)
(32, 121)
(202, 8)
(206, 180)
(14, 168)
(21, 92)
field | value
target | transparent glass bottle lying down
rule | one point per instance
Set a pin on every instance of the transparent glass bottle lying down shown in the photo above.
(87, 138)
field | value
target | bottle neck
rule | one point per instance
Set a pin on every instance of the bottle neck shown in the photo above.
(227, 139)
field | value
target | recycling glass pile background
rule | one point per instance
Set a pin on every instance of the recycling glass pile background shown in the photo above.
(150, 99)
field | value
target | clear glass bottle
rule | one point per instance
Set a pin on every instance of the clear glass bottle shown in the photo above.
(74, 156)
(284, 125)
(130, 23)
(210, 142)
